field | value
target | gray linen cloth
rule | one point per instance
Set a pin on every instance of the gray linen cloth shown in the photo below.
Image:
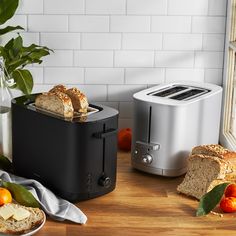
(56, 207)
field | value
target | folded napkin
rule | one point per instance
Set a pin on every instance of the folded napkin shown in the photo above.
(56, 207)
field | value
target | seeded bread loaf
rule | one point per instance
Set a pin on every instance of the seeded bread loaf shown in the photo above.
(79, 100)
(208, 166)
(214, 150)
(12, 226)
(56, 102)
(204, 172)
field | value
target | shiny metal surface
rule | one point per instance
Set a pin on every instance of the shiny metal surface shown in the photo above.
(167, 129)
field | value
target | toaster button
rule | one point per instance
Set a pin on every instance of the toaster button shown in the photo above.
(105, 181)
(147, 159)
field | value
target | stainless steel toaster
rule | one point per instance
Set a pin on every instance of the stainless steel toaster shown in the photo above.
(169, 120)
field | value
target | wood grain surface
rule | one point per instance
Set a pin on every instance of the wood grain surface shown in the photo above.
(142, 204)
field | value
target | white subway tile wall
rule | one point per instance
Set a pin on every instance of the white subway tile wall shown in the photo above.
(104, 76)
(61, 40)
(59, 58)
(111, 49)
(64, 75)
(30, 7)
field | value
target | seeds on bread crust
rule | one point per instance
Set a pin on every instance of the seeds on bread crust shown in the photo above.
(58, 88)
(214, 150)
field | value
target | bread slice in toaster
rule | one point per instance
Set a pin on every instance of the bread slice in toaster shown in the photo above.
(204, 173)
(58, 88)
(79, 100)
(56, 102)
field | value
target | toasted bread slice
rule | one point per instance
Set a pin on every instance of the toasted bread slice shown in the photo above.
(13, 226)
(79, 100)
(56, 102)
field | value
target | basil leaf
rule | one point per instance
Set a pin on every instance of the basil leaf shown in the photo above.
(209, 201)
(21, 194)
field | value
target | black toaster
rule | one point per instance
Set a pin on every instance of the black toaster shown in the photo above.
(75, 158)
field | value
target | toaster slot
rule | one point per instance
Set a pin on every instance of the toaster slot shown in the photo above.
(169, 91)
(149, 124)
(180, 92)
(192, 93)
(91, 110)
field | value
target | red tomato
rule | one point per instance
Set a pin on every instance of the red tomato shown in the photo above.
(230, 191)
(228, 204)
(124, 139)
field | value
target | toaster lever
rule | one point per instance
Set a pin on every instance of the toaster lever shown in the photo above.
(151, 146)
(105, 134)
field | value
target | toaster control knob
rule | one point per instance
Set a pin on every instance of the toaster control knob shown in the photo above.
(147, 159)
(105, 181)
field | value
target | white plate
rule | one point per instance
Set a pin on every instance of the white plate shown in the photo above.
(34, 230)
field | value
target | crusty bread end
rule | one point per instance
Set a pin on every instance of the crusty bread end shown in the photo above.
(214, 150)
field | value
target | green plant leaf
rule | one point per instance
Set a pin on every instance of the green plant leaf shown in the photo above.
(25, 56)
(3, 53)
(7, 9)
(9, 29)
(24, 80)
(5, 164)
(38, 53)
(9, 44)
(21, 194)
(35, 46)
(209, 201)
(17, 46)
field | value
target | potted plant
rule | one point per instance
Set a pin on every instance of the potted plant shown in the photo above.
(16, 56)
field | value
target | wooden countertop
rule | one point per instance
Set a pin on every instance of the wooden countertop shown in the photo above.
(142, 204)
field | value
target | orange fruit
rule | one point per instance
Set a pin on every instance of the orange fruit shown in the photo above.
(230, 191)
(124, 139)
(228, 204)
(5, 196)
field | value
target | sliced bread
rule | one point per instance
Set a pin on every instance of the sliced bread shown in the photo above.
(56, 102)
(17, 227)
(208, 166)
(203, 173)
(79, 100)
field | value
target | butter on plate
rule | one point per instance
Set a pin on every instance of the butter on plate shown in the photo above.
(7, 211)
